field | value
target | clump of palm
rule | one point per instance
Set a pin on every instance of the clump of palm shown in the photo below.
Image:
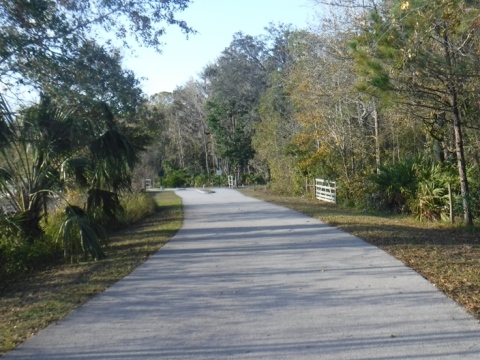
(395, 184)
(81, 235)
(48, 150)
(431, 201)
(417, 186)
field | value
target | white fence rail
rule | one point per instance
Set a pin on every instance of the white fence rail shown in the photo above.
(326, 190)
(231, 181)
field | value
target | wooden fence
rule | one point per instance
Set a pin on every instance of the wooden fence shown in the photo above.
(326, 190)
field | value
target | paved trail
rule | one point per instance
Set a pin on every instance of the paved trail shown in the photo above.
(245, 279)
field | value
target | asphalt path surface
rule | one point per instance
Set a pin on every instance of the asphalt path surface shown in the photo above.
(246, 279)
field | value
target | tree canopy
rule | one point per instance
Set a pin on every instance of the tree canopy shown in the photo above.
(56, 45)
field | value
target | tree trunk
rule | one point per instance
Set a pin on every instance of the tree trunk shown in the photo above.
(205, 148)
(457, 127)
(377, 140)
(462, 169)
(180, 143)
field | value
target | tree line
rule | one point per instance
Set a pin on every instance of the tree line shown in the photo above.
(381, 96)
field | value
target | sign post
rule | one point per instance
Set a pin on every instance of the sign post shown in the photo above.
(161, 174)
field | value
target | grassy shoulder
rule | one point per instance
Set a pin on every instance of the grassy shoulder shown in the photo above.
(43, 297)
(446, 255)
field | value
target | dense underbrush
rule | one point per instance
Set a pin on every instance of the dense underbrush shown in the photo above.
(20, 255)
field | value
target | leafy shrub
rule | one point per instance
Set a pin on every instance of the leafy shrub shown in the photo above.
(415, 186)
(136, 206)
(431, 197)
(351, 192)
(19, 256)
(253, 179)
(396, 184)
(201, 180)
(176, 178)
(431, 202)
(474, 178)
(220, 180)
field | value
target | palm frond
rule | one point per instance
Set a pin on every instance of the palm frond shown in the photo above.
(114, 158)
(79, 233)
(76, 169)
(103, 202)
(6, 122)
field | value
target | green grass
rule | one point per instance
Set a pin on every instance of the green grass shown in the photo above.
(41, 298)
(447, 255)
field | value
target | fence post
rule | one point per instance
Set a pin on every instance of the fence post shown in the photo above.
(231, 181)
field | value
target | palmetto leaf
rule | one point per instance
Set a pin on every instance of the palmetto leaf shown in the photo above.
(114, 145)
(431, 202)
(77, 169)
(6, 121)
(397, 183)
(114, 157)
(91, 235)
(6, 177)
(103, 201)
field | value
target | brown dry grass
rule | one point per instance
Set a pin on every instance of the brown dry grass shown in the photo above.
(35, 301)
(446, 255)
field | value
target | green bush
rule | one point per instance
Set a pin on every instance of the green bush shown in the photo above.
(474, 178)
(253, 179)
(21, 256)
(352, 192)
(431, 202)
(415, 186)
(136, 206)
(395, 184)
(431, 197)
(176, 178)
(201, 180)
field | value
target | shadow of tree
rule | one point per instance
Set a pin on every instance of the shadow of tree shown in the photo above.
(446, 255)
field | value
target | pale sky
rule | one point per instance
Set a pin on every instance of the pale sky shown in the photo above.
(216, 21)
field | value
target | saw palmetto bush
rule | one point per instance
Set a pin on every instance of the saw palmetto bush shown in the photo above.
(416, 186)
(431, 200)
(47, 151)
(395, 185)
(81, 235)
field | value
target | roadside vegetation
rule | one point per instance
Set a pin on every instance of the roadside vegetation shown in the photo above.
(379, 96)
(445, 254)
(73, 126)
(32, 301)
